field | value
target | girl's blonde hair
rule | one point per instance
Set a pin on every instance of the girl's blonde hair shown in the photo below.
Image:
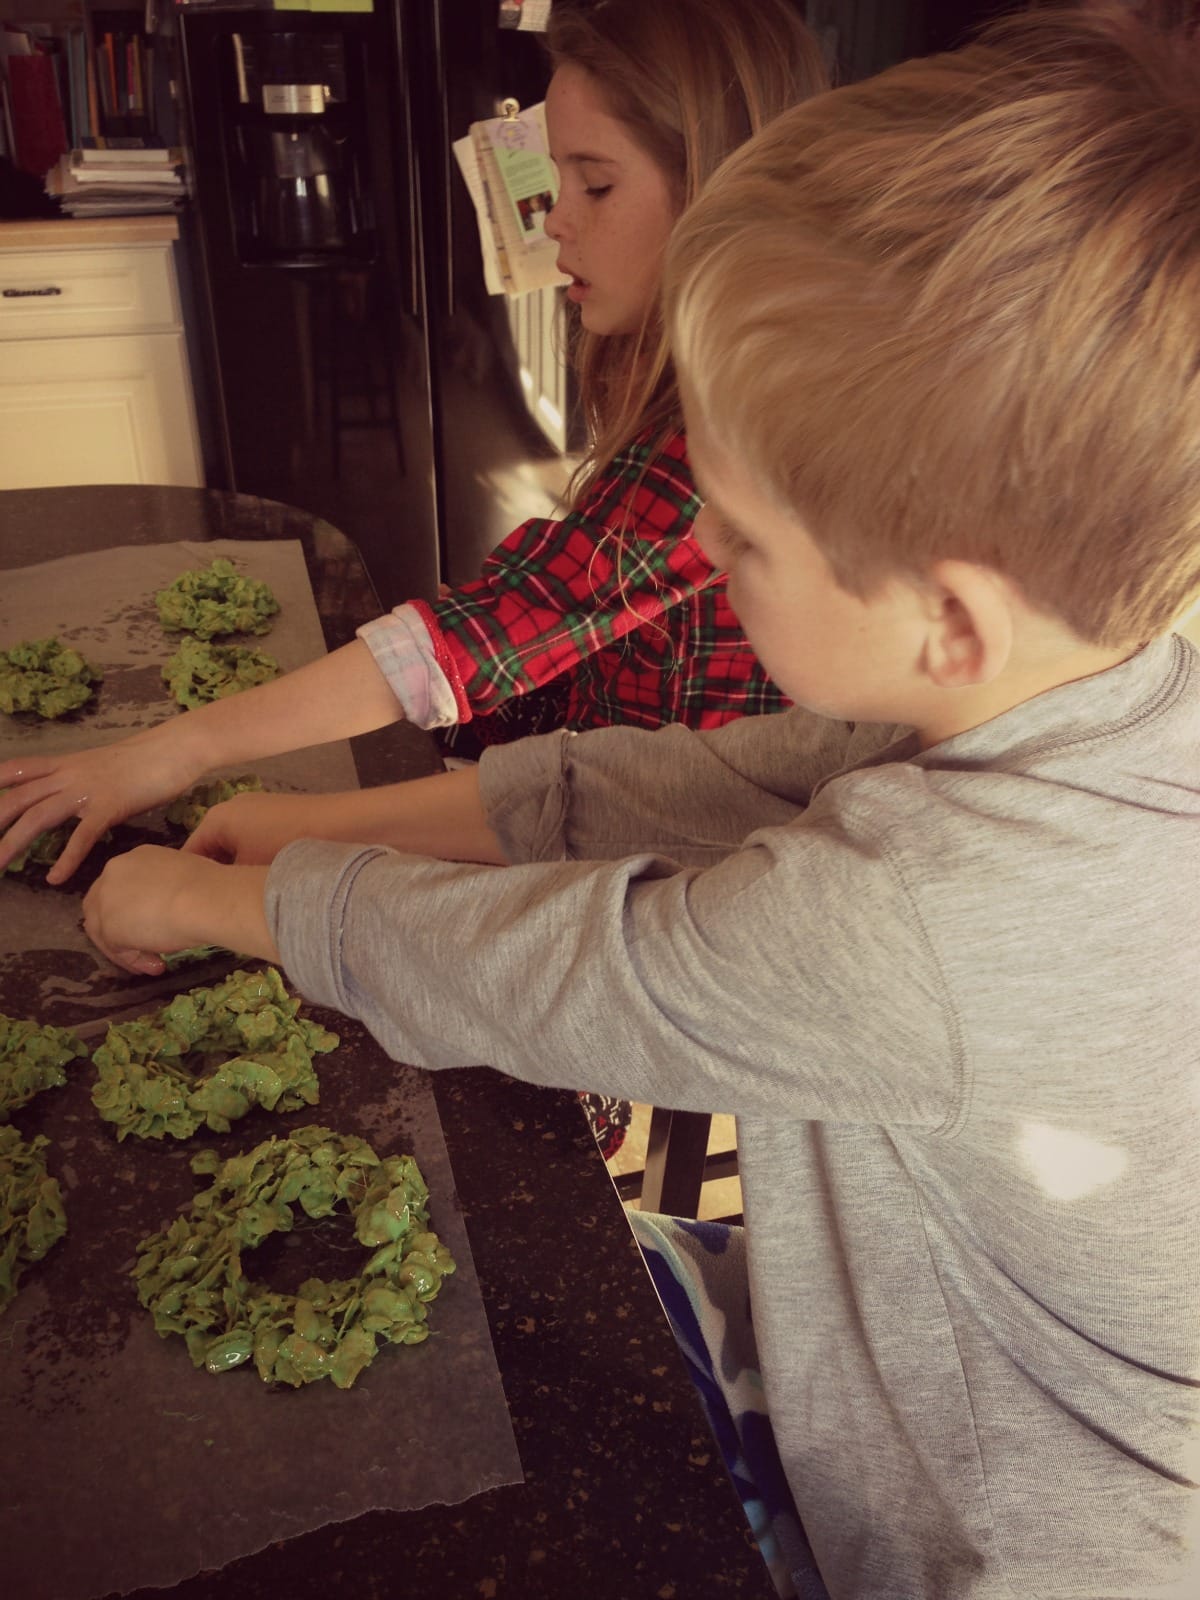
(954, 311)
(690, 80)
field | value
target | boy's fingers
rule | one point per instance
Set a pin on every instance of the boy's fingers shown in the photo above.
(143, 961)
(205, 844)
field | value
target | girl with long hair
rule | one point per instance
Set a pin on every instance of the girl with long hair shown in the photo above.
(612, 613)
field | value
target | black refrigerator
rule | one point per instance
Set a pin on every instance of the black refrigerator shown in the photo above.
(353, 363)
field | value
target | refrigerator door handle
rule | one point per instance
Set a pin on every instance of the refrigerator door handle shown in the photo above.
(444, 150)
(404, 37)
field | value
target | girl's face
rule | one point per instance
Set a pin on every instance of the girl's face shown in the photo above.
(614, 211)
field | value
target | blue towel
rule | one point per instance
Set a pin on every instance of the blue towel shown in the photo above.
(699, 1271)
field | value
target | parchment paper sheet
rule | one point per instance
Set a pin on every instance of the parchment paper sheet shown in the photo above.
(124, 1466)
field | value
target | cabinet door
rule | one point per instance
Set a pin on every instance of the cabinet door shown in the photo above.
(97, 410)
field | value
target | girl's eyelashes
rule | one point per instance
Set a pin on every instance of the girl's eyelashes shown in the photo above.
(597, 191)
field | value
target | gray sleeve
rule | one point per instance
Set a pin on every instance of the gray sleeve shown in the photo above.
(753, 986)
(692, 796)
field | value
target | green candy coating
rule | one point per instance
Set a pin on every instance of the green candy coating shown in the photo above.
(207, 601)
(32, 1218)
(192, 1279)
(162, 1075)
(32, 1059)
(200, 672)
(44, 677)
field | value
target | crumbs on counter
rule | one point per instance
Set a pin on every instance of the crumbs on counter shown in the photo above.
(45, 678)
(190, 1275)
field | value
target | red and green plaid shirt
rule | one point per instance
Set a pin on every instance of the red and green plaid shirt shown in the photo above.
(617, 600)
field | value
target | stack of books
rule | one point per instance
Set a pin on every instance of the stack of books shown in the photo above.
(117, 177)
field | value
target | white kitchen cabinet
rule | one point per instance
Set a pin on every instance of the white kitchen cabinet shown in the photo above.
(94, 383)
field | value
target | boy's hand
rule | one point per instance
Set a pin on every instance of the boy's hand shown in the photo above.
(251, 829)
(153, 901)
(101, 787)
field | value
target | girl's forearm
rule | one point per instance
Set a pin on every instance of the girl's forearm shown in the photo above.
(334, 697)
(441, 816)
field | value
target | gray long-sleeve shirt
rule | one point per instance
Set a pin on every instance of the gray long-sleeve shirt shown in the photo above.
(952, 997)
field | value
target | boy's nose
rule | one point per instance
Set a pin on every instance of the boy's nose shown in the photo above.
(702, 535)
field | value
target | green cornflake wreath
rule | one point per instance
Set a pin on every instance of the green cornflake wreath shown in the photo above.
(31, 1209)
(190, 809)
(45, 677)
(32, 1058)
(199, 672)
(208, 1056)
(190, 1276)
(216, 599)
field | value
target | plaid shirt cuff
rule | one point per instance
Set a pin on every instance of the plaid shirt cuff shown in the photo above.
(405, 654)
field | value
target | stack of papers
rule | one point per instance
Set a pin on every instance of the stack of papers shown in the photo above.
(117, 182)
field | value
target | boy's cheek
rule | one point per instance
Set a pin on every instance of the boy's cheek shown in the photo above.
(703, 530)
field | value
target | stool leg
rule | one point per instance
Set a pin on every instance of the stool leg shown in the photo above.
(675, 1151)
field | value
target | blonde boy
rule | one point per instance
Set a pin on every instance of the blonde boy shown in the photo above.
(940, 339)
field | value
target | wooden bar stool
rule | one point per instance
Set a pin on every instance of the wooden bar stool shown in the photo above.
(677, 1163)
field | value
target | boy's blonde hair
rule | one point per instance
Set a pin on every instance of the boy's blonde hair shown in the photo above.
(690, 80)
(954, 311)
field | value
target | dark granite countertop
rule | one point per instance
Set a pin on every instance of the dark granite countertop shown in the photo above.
(624, 1495)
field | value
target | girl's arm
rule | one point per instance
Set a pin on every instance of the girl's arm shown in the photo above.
(153, 900)
(331, 698)
(441, 816)
(556, 592)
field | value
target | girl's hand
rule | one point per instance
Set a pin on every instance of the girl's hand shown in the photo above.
(101, 787)
(251, 829)
(153, 901)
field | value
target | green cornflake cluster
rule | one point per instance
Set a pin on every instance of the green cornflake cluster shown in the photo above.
(190, 809)
(194, 953)
(216, 599)
(45, 677)
(32, 1218)
(32, 1058)
(191, 1278)
(200, 672)
(207, 1056)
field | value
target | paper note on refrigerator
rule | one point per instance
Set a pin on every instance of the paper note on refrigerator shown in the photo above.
(506, 166)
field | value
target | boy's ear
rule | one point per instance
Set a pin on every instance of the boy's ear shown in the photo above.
(970, 634)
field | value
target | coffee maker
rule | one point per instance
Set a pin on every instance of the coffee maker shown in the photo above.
(295, 143)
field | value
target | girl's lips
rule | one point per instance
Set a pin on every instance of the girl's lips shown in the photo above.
(578, 286)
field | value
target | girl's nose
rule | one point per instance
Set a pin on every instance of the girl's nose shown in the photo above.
(557, 220)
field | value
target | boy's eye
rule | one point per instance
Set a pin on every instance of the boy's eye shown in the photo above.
(732, 542)
(597, 191)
